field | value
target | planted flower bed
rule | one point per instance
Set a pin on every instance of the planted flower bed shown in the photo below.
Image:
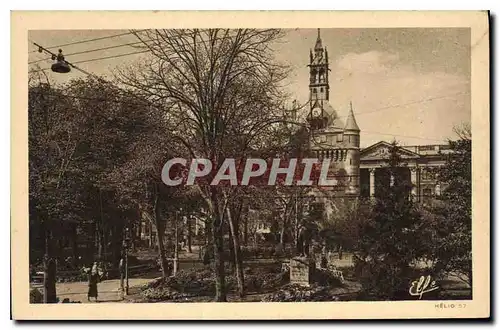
(201, 282)
(295, 293)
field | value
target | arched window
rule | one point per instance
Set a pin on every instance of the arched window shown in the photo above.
(321, 75)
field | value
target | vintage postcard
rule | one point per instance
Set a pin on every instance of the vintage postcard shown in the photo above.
(250, 165)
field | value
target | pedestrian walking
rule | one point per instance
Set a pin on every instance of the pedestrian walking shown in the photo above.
(93, 280)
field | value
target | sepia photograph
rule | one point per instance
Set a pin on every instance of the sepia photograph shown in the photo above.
(249, 166)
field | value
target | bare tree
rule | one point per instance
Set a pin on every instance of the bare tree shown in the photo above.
(219, 92)
(463, 131)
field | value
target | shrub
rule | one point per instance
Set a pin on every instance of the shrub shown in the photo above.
(265, 282)
(293, 292)
(201, 282)
(323, 277)
(36, 297)
(164, 294)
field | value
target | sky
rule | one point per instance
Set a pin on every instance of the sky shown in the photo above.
(412, 85)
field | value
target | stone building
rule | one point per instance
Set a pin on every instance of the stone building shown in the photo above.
(330, 136)
(420, 163)
(359, 171)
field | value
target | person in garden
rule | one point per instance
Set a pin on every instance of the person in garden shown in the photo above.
(93, 280)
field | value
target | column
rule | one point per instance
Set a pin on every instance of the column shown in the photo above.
(372, 182)
(413, 172)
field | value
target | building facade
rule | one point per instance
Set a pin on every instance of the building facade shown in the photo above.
(330, 136)
(420, 163)
(360, 170)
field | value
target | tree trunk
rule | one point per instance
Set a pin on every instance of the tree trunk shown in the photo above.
(189, 234)
(139, 226)
(298, 210)
(74, 241)
(282, 233)
(220, 290)
(61, 246)
(208, 233)
(165, 271)
(238, 262)
(100, 231)
(217, 221)
(176, 246)
(245, 230)
(150, 235)
(49, 278)
(98, 239)
(132, 236)
(117, 243)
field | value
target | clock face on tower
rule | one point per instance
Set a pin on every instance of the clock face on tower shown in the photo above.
(316, 112)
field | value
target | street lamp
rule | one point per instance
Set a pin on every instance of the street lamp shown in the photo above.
(61, 66)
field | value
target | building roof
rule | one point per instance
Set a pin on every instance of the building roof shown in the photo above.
(351, 124)
(319, 44)
(381, 149)
(334, 121)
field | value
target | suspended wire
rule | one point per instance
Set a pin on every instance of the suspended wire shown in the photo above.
(93, 50)
(53, 54)
(407, 136)
(116, 46)
(411, 103)
(121, 55)
(112, 56)
(90, 40)
(98, 59)
(101, 38)
(405, 104)
(85, 72)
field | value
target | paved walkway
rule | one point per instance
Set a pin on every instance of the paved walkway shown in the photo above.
(108, 290)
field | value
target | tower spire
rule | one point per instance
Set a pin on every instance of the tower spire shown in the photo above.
(351, 124)
(319, 44)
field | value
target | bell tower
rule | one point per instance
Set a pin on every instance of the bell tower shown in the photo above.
(318, 72)
(319, 88)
